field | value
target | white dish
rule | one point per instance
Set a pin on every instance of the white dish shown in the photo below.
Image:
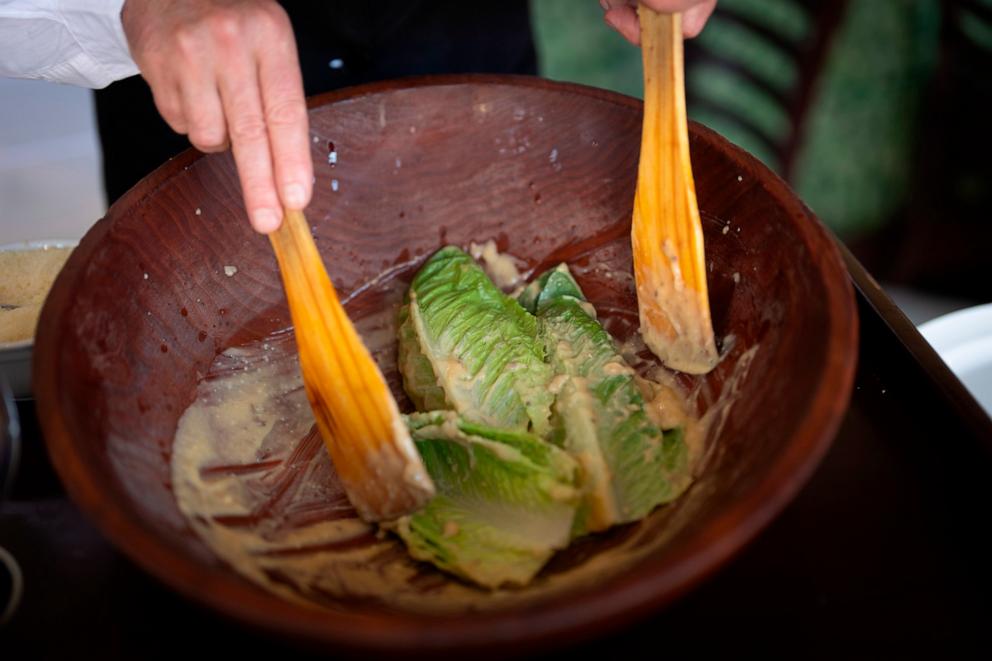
(15, 357)
(963, 339)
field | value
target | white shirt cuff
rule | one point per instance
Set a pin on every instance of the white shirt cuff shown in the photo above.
(96, 27)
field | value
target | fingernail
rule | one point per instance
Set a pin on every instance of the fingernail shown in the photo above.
(294, 196)
(265, 220)
(604, 4)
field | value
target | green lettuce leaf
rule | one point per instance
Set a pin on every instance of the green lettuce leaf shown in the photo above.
(550, 285)
(629, 465)
(505, 500)
(419, 379)
(481, 346)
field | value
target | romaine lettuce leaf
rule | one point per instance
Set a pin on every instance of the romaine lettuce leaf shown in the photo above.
(482, 347)
(505, 500)
(629, 464)
(419, 379)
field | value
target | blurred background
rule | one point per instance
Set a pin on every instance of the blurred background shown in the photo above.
(875, 111)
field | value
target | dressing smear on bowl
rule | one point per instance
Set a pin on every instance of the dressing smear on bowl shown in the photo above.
(251, 475)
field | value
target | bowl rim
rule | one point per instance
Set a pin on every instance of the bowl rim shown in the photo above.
(620, 600)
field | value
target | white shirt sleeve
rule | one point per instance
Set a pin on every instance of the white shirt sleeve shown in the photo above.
(79, 42)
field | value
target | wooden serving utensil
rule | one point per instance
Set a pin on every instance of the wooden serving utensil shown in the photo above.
(666, 234)
(357, 416)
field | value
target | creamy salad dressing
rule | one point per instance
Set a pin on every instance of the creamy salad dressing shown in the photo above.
(669, 403)
(254, 482)
(500, 267)
(253, 479)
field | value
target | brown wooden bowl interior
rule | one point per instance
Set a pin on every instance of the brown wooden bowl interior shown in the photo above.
(546, 169)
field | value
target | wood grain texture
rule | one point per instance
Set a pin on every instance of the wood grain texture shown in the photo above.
(546, 169)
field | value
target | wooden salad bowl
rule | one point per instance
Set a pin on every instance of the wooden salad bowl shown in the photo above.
(545, 169)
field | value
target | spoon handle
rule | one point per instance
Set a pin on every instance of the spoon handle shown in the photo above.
(666, 233)
(356, 413)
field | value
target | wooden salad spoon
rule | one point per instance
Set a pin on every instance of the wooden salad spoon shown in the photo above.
(356, 413)
(666, 234)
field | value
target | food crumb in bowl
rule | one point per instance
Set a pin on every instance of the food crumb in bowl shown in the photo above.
(230, 270)
(146, 276)
(726, 228)
(737, 277)
(501, 268)
(197, 211)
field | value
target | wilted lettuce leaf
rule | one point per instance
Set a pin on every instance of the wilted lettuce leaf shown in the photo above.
(482, 347)
(418, 374)
(505, 500)
(629, 464)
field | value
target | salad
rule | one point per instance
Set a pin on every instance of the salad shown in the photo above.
(529, 421)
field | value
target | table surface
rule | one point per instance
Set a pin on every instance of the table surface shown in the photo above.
(884, 551)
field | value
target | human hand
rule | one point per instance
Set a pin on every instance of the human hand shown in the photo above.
(226, 72)
(621, 15)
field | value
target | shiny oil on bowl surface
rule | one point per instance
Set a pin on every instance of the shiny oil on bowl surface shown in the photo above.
(15, 357)
(545, 169)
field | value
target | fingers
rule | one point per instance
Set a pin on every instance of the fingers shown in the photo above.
(694, 19)
(623, 19)
(242, 103)
(204, 114)
(268, 126)
(286, 119)
(621, 15)
(669, 6)
(226, 72)
(169, 102)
